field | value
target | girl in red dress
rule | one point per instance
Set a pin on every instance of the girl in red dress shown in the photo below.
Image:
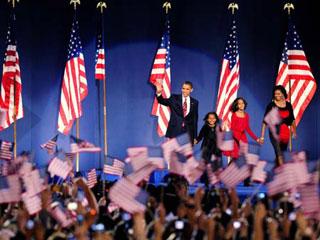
(287, 117)
(239, 126)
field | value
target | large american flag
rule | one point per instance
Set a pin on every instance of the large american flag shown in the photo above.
(100, 73)
(11, 86)
(229, 77)
(74, 86)
(160, 74)
(294, 70)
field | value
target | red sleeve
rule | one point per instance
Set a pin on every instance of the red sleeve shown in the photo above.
(248, 129)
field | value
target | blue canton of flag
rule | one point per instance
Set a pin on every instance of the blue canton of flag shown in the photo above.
(231, 51)
(75, 46)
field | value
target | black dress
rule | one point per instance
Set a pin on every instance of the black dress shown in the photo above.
(209, 143)
(287, 118)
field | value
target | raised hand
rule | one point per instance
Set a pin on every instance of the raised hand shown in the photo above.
(159, 87)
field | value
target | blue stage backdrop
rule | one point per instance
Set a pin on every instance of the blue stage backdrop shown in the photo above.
(132, 32)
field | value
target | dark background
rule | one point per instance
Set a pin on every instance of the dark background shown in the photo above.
(132, 32)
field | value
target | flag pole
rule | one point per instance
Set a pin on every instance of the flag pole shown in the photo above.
(288, 7)
(75, 2)
(102, 5)
(14, 104)
(77, 154)
(233, 6)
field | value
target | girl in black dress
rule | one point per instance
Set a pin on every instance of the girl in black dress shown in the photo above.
(208, 134)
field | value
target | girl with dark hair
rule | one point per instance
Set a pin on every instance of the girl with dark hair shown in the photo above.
(239, 126)
(279, 96)
(208, 134)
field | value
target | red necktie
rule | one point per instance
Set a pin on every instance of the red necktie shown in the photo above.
(185, 107)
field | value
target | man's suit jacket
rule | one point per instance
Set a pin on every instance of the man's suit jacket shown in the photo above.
(177, 120)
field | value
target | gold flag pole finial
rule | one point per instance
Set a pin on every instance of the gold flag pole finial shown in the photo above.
(13, 2)
(101, 5)
(288, 7)
(167, 6)
(234, 6)
(75, 2)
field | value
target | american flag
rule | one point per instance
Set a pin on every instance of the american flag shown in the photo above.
(4, 168)
(100, 73)
(140, 156)
(284, 179)
(141, 174)
(258, 172)
(79, 145)
(236, 172)
(128, 196)
(51, 145)
(272, 119)
(229, 77)
(33, 182)
(114, 168)
(60, 216)
(196, 173)
(253, 154)
(59, 168)
(10, 189)
(92, 178)
(182, 165)
(160, 74)
(33, 204)
(310, 197)
(74, 86)
(214, 168)
(179, 144)
(6, 149)
(300, 167)
(225, 140)
(11, 86)
(294, 70)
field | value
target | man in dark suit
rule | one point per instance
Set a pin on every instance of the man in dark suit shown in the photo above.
(184, 111)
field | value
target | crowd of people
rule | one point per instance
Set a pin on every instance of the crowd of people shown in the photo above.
(171, 213)
(68, 207)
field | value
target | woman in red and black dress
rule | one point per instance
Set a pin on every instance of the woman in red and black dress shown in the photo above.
(239, 126)
(283, 130)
